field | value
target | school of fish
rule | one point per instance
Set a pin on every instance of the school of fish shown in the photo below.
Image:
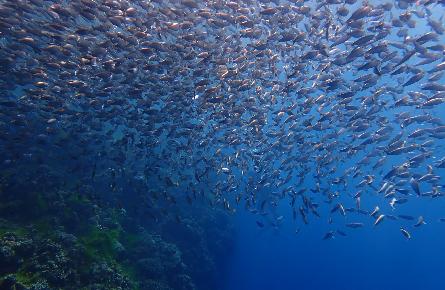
(247, 104)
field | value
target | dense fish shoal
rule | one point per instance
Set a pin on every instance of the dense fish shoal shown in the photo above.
(325, 108)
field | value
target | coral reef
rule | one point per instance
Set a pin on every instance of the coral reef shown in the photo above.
(68, 241)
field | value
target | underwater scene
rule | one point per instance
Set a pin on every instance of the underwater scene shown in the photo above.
(222, 144)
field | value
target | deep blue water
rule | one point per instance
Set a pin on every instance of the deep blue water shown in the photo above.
(368, 258)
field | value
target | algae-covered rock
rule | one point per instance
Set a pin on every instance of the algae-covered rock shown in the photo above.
(10, 282)
(70, 242)
(107, 275)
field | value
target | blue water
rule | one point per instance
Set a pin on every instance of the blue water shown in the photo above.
(368, 258)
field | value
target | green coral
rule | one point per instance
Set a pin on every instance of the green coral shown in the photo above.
(79, 245)
(16, 230)
(99, 244)
(26, 278)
